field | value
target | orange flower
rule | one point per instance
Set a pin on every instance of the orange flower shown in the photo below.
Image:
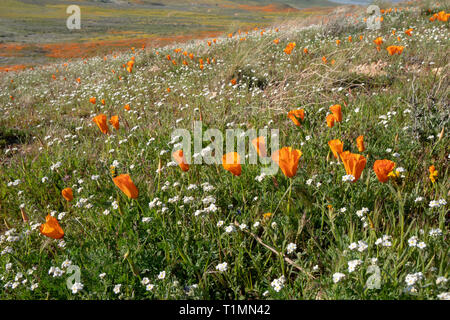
(360, 143)
(103, 101)
(294, 115)
(260, 146)
(305, 51)
(378, 41)
(336, 111)
(395, 49)
(361, 37)
(349, 38)
(433, 173)
(287, 159)
(290, 46)
(127, 107)
(124, 183)
(78, 80)
(191, 56)
(276, 41)
(92, 100)
(231, 162)
(337, 147)
(100, 120)
(233, 81)
(51, 228)
(338, 42)
(409, 32)
(442, 16)
(168, 89)
(353, 163)
(324, 59)
(115, 122)
(67, 194)
(382, 169)
(179, 158)
(330, 120)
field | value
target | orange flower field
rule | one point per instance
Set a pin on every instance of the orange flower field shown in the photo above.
(280, 162)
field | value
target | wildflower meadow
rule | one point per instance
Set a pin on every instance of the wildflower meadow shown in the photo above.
(121, 175)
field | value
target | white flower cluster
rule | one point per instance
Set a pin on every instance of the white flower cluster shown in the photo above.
(278, 284)
(437, 203)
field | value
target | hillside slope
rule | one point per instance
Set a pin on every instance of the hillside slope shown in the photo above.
(364, 219)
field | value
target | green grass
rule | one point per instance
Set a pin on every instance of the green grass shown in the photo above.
(402, 113)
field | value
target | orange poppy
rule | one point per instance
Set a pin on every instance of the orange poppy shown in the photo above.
(231, 163)
(260, 146)
(124, 183)
(67, 194)
(433, 173)
(337, 147)
(115, 122)
(92, 100)
(294, 115)
(338, 42)
(382, 169)
(103, 101)
(127, 107)
(378, 41)
(100, 120)
(360, 143)
(330, 120)
(180, 159)
(353, 163)
(233, 81)
(276, 41)
(305, 51)
(395, 50)
(287, 159)
(290, 46)
(349, 38)
(336, 110)
(409, 32)
(324, 59)
(51, 228)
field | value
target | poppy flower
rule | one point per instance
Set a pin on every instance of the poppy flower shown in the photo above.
(294, 115)
(337, 147)
(330, 120)
(127, 107)
(180, 159)
(124, 183)
(360, 143)
(93, 100)
(231, 162)
(433, 173)
(100, 120)
(336, 110)
(305, 51)
(349, 38)
(290, 46)
(67, 194)
(378, 41)
(409, 32)
(233, 81)
(103, 101)
(51, 228)
(338, 42)
(382, 169)
(353, 163)
(276, 41)
(260, 146)
(287, 159)
(394, 50)
(115, 122)
(324, 59)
